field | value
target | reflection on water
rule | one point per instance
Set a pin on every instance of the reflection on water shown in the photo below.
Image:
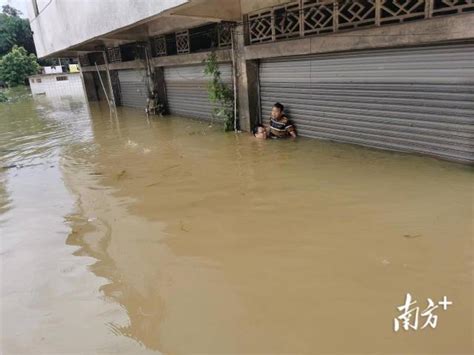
(133, 235)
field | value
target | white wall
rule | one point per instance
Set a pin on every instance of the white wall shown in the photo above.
(49, 85)
(64, 23)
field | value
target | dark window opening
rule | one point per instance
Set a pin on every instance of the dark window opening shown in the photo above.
(61, 78)
(171, 48)
(129, 52)
(203, 38)
(134, 51)
(96, 57)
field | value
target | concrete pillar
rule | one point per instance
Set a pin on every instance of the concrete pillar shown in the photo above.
(99, 89)
(89, 86)
(116, 87)
(160, 87)
(247, 84)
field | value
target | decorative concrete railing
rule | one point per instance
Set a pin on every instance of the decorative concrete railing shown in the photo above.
(114, 55)
(312, 17)
(158, 45)
(182, 40)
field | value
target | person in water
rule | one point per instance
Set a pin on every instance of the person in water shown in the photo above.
(280, 126)
(260, 132)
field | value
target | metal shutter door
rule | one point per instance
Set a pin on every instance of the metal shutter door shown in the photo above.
(413, 99)
(186, 88)
(133, 88)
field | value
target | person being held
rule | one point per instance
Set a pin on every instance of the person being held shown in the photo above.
(260, 132)
(280, 126)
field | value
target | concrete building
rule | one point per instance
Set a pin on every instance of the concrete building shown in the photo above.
(395, 75)
(57, 85)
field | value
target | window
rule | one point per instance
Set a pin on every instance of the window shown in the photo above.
(61, 78)
(38, 80)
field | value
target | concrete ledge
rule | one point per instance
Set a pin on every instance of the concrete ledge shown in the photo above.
(133, 64)
(436, 30)
(52, 74)
(223, 56)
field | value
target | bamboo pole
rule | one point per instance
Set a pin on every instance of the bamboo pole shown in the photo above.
(102, 84)
(109, 79)
(234, 75)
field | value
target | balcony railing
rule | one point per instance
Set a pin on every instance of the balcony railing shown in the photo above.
(312, 17)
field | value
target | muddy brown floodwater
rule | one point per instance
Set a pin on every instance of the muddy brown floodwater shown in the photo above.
(168, 236)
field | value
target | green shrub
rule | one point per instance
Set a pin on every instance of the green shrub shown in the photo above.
(219, 93)
(17, 65)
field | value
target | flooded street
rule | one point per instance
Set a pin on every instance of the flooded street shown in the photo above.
(127, 235)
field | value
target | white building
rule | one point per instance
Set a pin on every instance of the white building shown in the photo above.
(57, 85)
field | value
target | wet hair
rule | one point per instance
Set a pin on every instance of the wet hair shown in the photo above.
(255, 129)
(279, 106)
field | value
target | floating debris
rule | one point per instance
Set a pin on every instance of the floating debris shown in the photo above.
(410, 236)
(122, 174)
(154, 184)
(132, 144)
(182, 227)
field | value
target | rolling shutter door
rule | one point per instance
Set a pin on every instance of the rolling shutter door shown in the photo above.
(413, 99)
(134, 92)
(186, 88)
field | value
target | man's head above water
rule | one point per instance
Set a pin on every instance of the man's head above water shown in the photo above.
(277, 111)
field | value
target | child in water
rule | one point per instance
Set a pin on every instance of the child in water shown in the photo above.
(260, 132)
(280, 126)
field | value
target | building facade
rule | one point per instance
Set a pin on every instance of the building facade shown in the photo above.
(57, 85)
(390, 74)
